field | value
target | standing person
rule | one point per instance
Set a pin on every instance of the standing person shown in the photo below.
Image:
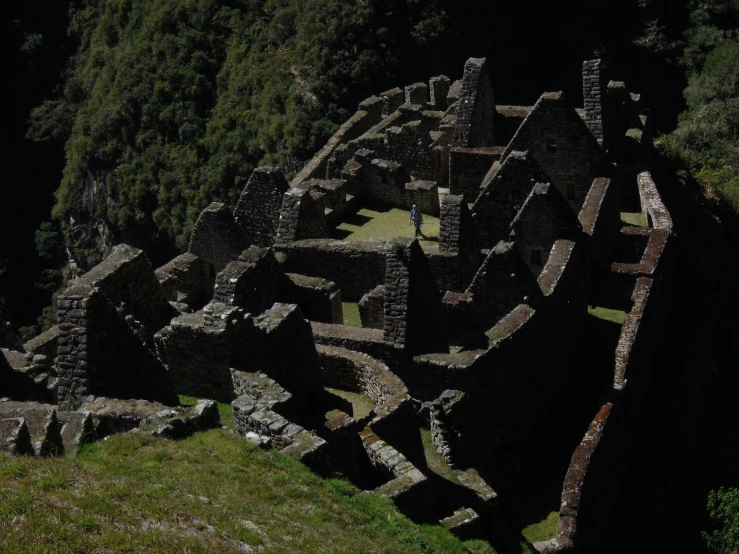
(417, 220)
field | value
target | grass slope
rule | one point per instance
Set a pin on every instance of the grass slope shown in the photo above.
(387, 223)
(208, 493)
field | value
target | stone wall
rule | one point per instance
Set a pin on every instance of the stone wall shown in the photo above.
(414, 315)
(594, 82)
(544, 218)
(99, 354)
(285, 351)
(393, 415)
(560, 142)
(456, 228)
(356, 267)
(600, 218)
(44, 344)
(439, 90)
(182, 280)
(127, 280)
(504, 193)
(300, 217)
(200, 349)
(26, 376)
(475, 107)
(502, 282)
(216, 240)
(391, 100)
(318, 299)
(358, 339)
(252, 283)
(468, 167)
(417, 93)
(257, 212)
(372, 308)
(355, 126)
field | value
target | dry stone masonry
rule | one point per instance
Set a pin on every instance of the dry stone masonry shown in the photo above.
(481, 344)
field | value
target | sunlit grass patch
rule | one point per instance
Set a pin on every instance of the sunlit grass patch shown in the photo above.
(361, 403)
(608, 314)
(634, 218)
(542, 530)
(434, 461)
(351, 314)
(386, 224)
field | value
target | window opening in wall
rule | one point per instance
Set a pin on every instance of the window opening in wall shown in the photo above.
(570, 192)
(536, 257)
(551, 145)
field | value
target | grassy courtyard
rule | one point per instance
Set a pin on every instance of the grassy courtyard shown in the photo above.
(386, 223)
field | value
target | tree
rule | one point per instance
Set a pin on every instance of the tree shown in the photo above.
(723, 511)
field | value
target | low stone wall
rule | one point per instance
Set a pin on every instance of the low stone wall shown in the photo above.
(319, 299)
(369, 341)
(652, 206)
(356, 267)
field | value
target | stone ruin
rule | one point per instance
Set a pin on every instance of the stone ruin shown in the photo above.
(485, 342)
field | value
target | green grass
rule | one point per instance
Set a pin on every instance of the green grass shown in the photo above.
(137, 493)
(386, 224)
(543, 530)
(434, 461)
(608, 314)
(634, 218)
(225, 411)
(351, 314)
(362, 404)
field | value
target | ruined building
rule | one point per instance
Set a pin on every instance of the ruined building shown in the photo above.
(489, 342)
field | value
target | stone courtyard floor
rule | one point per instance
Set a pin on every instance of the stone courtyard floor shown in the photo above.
(385, 223)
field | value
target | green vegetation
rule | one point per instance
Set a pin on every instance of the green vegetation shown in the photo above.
(387, 223)
(351, 314)
(543, 530)
(636, 218)
(362, 404)
(207, 493)
(435, 462)
(723, 511)
(707, 135)
(608, 314)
